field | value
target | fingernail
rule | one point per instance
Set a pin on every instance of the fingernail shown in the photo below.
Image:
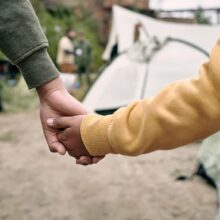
(61, 150)
(50, 121)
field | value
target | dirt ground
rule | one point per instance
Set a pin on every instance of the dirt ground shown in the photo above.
(38, 185)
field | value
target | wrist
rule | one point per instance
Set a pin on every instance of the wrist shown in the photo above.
(94, 131)
(48, 88)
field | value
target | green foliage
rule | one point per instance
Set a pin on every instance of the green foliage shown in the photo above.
(1, 55)
(201, 18)
(18, 98)
(56, 21)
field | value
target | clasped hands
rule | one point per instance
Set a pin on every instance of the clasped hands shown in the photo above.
(68, 133)
(61, 131)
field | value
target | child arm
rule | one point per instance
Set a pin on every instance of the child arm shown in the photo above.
(183, 112)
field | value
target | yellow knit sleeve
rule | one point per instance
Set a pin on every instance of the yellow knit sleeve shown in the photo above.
(183, 112)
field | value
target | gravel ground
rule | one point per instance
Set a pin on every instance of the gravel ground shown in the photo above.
(36, 184)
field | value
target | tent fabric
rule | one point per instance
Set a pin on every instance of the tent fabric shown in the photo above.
(174, 62)
(183, 5)
(146, 66)
(118, 85)
(129, 79)
(124, 21)
(209, 156)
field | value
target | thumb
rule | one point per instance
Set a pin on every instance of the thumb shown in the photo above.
(58, 123)
(53, 142)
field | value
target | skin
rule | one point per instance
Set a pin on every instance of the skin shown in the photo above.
(70, 136)
(56, 102)
(71, 35)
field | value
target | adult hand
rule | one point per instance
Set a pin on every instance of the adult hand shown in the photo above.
(56, 102)
(69, 134)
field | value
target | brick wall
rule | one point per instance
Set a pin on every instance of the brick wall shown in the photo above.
(140, 4)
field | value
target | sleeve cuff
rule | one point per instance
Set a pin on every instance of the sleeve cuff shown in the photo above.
(94, 133)
(38, 69)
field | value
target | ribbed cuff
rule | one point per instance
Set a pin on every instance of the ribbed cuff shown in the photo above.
(94, 133)
(38, 69)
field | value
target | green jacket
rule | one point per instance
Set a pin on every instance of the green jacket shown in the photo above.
(22, 40)
(83, 53)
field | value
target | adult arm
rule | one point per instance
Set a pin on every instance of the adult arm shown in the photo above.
(24, 43)
(22, 40)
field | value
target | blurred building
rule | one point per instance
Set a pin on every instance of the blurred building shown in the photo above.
(101, 10)
(177, 19)
(140, 4)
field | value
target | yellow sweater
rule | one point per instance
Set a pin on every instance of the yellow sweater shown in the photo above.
(183, 112)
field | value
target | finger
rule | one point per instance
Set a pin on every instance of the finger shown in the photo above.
(57, 147)
(82, 163)
(61, 136)
(64, 135)
(58, 123)
(97, 159)
(84, 160)
(53, 142)
(75, 107)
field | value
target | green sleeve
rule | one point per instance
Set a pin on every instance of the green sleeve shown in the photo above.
(22, 40)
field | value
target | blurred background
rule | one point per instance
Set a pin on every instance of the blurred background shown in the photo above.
(119, 51)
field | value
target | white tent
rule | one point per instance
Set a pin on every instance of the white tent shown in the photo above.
(183, 5)
(118, 85)
(127, 79)
(124, 21)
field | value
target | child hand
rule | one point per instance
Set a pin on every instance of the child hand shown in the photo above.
(70, 136)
